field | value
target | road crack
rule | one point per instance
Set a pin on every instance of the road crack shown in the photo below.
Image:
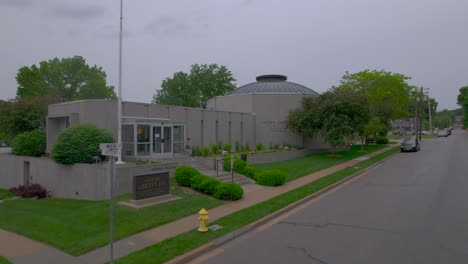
(306, 252)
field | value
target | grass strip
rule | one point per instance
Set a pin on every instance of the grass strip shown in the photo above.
(180, 244)
(79, 226)
(300, 167)
(3, 260)
(4, 194)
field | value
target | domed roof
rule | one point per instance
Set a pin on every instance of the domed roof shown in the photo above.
(273, 84)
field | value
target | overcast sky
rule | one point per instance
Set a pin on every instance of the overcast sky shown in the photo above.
(313, 42)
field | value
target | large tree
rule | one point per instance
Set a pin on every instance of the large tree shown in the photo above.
(194, 89)
(462, 100)
(68, 79)
(338, 116)
(389, 95)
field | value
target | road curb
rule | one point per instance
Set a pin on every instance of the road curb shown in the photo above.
(193, 254)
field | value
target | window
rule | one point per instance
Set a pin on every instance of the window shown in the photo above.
(143, 140)
(179, 139)
(128, 140)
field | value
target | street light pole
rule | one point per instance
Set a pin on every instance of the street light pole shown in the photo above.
(430, 114)
(119, 99)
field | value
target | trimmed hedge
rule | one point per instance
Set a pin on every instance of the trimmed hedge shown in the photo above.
(189, 176)
(209, 185)
(271, 178)
(239, 164)
(79, 144)
(382, 140)
(196, 182)
(31, 143)
(184, 175)
(228, 191)
(248, 171)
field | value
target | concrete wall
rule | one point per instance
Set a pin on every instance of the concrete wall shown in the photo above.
(78, 181)
(103, 114)
(231, 103)
(271, 112)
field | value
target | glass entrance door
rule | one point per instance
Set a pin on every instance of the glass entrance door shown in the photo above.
(162, 139)
(167, 140)
(157, 139)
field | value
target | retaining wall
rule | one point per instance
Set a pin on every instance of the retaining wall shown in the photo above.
(77, 181)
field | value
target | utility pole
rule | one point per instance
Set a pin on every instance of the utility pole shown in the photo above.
(421, 110)
(430, 114)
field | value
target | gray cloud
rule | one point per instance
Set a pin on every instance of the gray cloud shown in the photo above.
(16, 3)
(170, 26)
(247, 2)
(112, 32)
(83, 12)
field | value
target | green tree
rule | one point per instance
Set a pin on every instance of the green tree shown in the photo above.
(68, 79)
(339, 116)
(22, 115)
(462, 100)
(389, 95)
(194, 89)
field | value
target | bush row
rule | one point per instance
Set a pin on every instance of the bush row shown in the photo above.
(188, 176)
(267, 178)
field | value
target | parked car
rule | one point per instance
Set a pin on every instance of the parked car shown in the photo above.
(410, 144)
(443, 133)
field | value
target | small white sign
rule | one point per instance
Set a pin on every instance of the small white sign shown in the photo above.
(110, 149)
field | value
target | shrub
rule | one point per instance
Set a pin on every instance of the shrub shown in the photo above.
(382, 140)
(31, 143)
(249, 172)
(239, 164)
(237, 146)
(271, 178)
(209, 185)
(196, 181)
(215, 148)
(30, 191)
(228, 191)
(206, 151)
(196, 151)
(260, 147)
(227, 147)
(79, 144)
(184, 175)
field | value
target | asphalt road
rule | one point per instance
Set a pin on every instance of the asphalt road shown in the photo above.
(413, 208)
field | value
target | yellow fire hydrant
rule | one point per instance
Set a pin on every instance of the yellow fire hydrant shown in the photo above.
(203, 218)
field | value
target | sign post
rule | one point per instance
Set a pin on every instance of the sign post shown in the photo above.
(112, 150)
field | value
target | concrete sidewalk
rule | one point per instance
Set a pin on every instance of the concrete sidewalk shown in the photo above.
(253, 194)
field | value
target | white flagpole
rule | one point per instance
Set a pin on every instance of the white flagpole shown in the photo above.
(119, 101)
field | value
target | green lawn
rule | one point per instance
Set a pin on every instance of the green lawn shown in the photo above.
(300, 167)
(3, 260)
(178, 245)
(78, 226)
(5, 194)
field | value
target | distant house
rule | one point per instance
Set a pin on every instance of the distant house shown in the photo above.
(404, 126)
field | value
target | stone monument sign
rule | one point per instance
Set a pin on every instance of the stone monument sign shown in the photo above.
(150, 185)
